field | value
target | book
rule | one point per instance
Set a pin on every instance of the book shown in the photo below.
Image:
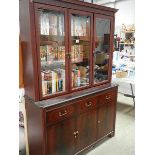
(44, 24)
(50, 56)
(61, 25)
(53, 24)
(43, 54)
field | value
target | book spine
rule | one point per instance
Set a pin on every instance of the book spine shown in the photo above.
(53, 82)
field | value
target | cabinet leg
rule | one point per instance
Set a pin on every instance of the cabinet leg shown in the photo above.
(111, 135)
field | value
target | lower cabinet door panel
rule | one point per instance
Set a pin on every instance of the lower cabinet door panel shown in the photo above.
(102, 122)
(110, 115)
(105, 119)
(86, 127)
(60, 138)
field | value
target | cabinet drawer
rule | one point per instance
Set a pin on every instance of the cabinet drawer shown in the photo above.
(107, 97)
(59, 114)
(86, 105)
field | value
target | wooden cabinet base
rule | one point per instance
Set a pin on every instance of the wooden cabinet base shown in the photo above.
(95, 144)
(71, 124)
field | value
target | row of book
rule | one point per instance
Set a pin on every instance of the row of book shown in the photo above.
(52, 24)
(50, 54)
(77, 53)
(53, 81)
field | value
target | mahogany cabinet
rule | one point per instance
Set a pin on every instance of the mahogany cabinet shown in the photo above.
(67, 62)
(72, 123)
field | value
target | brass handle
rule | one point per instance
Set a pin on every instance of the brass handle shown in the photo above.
(75, 134)
(88, 104)
(62, 114)
(108, 97)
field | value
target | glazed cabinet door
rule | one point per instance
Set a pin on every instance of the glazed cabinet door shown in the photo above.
(80, 47)
(60, 138)
(102, 54)
(106, 117)
(86, 128)
(52, 47)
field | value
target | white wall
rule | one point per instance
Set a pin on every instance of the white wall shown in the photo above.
(125, 14)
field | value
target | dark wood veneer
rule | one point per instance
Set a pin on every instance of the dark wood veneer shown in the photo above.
(27, 34)
(35, 123)
(73, 126)
(60, 138)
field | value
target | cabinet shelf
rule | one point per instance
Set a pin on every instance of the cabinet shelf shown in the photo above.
(82, 38)
(54, 43)
(127, 43)
(52, 40)
(80, 61)
(128, 31)
(54, 66)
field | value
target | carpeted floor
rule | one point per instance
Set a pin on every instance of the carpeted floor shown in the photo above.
(22, 147)
(122, 144)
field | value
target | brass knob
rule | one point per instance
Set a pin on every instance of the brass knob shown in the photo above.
(63, 114)
(108, 97)
(99, 122)
(88, 104)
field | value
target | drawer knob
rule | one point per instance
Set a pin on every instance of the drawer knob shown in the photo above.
(99, 122)
(108, 97)
(63, 114)
(88, 104)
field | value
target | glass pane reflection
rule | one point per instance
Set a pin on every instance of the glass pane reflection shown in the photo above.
(80, 50)
(52, 51)
(102, 49)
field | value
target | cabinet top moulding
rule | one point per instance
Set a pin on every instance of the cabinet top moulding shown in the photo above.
(74, 4)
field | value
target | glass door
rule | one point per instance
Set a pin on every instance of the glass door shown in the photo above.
(80, 49)
(52, 44)
(102, 49)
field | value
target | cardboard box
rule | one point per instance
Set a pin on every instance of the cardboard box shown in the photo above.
(121, 74)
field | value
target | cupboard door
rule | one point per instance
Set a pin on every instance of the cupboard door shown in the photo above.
(60, 138)
(102, 48)
(52, 46)
(80, 39)
(86, 127)
(106, 114)
(110, 115)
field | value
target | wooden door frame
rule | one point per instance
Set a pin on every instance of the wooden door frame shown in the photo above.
(59, 9)
(84, 13)
(110, 50)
